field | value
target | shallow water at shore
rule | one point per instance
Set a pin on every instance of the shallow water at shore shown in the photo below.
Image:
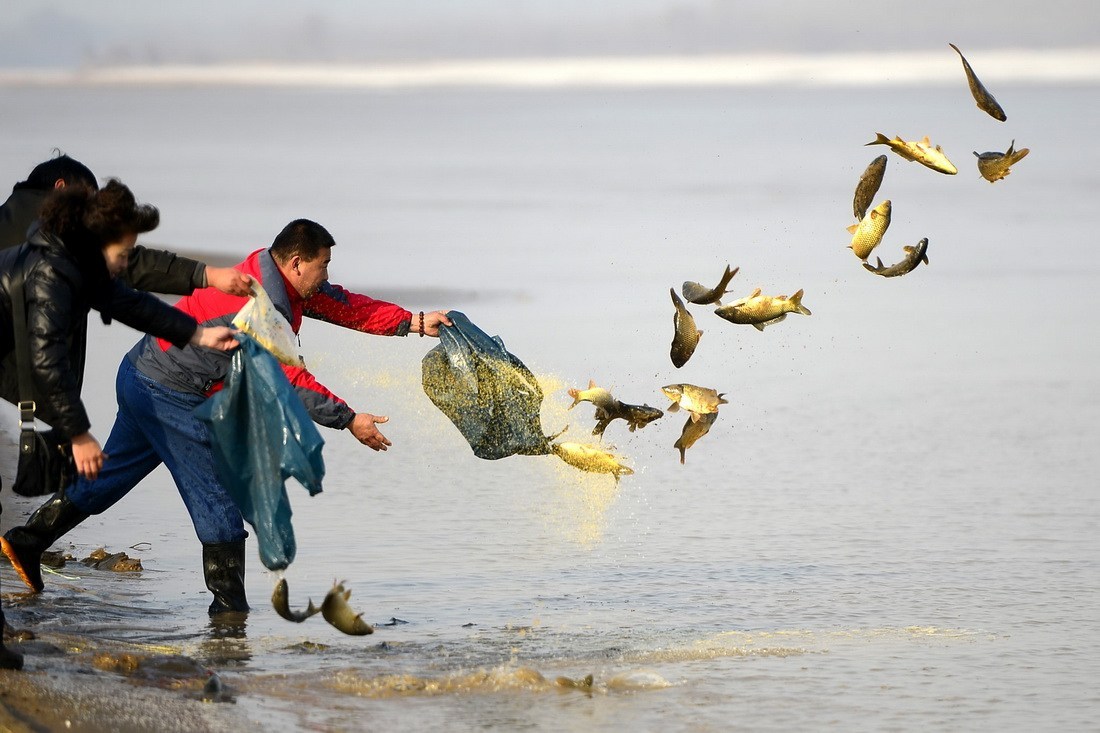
(892, 525)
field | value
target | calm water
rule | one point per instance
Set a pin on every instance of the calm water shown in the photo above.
(892, 526)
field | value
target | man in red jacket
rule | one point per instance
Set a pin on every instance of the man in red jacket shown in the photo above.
(159, 386)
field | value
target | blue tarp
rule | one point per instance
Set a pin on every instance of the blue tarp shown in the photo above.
(490, 396)
(262, 435)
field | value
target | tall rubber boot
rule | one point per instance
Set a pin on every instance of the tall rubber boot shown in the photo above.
(24, 545)
(223, 567)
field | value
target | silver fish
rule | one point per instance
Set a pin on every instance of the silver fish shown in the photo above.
(985, 101)
(686, 335)
(701, 295)
(280, 599)
(868, 186)
(337, 612)
(994, 166)
(693, 430)
(913, 257)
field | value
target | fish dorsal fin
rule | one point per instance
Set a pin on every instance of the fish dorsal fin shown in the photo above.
(755, 293)
(908, 249)
(852, 229)
(879, 260)
(926, 141)
(591, 383)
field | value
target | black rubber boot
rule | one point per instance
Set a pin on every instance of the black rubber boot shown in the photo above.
(24, 545)
(223, 566)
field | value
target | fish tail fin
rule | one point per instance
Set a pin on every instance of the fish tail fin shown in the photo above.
(796, 301)
(880, 139)
(726, 277)
(1019, 155)
(575, 395)
(952, 45)
(868, 267)
(722, 399)
(683, 452)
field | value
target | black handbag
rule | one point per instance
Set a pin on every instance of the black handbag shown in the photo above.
(45, 458)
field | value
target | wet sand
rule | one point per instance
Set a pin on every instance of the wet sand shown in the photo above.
(73, 683)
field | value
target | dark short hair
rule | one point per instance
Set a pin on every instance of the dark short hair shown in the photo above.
(73, 172)
(108, 214)
(301, 237)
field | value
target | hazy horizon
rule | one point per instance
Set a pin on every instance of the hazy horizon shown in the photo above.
(64, 34)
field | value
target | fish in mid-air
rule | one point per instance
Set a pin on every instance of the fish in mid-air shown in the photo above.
(868, 186)
(337, 612)
(868, 233)
(913, 257)
(699, 401)
(985, 101)
(598, 396)
(702, 295)
(636, 416)
(281, 601)
(592, 459)
(693, 430)
(923, 152)
(759, 310)
(994, 166)
(685, 335)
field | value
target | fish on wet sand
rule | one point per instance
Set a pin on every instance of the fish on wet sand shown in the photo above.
(702, 295)
(336, 611)
(685, 335)
(280, 599)
(697, 400)
(759, 310)
(693, 430)
(869, 232)
(922, 151)
(582, 684)
(985, 101)
(592, 458)
(913, 257)
(994, 165)
(868, 186)
(636, 416)
(598, 396)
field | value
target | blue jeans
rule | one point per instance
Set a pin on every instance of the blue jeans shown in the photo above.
(155, 425)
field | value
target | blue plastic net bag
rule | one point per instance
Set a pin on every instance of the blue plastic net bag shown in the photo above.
(262, 435)
(490, 396)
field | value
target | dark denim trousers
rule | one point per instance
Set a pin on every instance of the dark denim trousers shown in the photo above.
(156, 425)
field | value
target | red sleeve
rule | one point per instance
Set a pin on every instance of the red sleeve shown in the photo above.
(324, 407)
(338, 306)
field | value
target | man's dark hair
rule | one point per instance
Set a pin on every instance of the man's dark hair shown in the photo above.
(301, 237)
(73, 172)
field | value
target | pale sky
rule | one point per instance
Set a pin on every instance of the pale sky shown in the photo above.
(73, 33)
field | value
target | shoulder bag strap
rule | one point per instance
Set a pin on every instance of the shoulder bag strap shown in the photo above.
(22, 341)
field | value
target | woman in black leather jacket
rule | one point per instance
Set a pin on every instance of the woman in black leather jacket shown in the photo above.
(69, 266)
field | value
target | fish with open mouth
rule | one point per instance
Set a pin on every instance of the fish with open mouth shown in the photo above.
(922, 151)
(985, 101)
(702, 295)
(280, 599)
(699, 401)
(994, 165)
(913, 257)
(336, 611)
